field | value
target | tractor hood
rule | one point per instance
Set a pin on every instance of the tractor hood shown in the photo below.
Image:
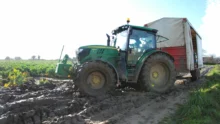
(94, 52)
(97, 47)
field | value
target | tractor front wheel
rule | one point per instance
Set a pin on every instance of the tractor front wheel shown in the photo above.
(158, 73)
(95, 78)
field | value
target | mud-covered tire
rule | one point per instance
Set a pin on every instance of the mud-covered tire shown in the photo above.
(102, 70)
(161, 65)
(195, 74)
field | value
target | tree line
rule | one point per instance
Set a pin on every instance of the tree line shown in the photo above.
(19, 58)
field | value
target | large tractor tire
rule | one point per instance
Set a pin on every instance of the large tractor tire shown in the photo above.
(195, 74)
(158, 73)
(95, 78)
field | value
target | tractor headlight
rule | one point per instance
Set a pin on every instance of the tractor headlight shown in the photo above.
(81, 53)
(78, 51)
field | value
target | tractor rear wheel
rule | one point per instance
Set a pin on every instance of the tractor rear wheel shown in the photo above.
(95, 78)
(158, 73)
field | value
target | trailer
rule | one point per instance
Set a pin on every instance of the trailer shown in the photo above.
(184, 44)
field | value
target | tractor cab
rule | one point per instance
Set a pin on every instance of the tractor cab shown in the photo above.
(135, 40)
(132, 43)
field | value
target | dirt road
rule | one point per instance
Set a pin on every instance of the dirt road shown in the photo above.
(58, 103)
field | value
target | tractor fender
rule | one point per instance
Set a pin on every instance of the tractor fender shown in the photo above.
(145, 57)
(100, 60)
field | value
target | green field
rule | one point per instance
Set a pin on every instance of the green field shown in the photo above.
(35, 68)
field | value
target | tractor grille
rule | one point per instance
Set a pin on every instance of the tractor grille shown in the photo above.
(100, 51)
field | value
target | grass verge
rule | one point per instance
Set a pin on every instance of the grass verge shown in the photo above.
(203, 105)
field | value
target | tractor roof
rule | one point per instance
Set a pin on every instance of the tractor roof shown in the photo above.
(125, 27)
(143, 28)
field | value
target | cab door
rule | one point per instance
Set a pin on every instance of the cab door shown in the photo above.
(139, 42)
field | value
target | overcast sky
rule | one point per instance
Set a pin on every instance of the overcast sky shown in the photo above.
(42, 27)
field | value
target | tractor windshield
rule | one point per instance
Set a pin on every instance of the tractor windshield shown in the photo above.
(142, 40)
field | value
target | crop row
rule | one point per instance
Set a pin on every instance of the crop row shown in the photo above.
(34, 68)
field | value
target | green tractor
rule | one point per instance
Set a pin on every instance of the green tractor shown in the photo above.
(130, 57)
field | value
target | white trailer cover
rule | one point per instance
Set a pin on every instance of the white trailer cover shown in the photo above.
(178, 31)
(189, 47)
(199, 51)
(172, 28)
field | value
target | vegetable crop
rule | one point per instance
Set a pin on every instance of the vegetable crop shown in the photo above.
(34, 68)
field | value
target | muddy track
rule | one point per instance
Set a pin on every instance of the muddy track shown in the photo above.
(58, 103)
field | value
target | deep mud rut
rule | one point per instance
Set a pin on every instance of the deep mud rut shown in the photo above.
(59, 103)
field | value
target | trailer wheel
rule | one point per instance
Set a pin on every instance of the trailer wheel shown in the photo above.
(95, 78)
(158, 73)
(195, 74)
